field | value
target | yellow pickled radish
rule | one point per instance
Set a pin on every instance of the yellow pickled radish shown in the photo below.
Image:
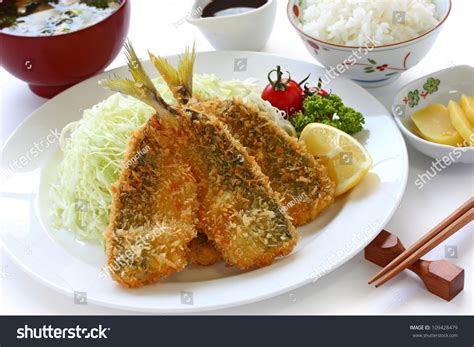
(461, 123)
(434, 124)
(467, 105)
(417, 131)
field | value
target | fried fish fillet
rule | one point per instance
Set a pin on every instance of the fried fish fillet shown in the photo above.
(218, 187)
(154, 204)
(202, 251)
(153, 213)
(238, 210)
(301, 180)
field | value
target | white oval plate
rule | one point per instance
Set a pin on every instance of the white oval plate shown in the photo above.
(73, 268)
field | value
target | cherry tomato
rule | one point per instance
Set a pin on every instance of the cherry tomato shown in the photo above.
(289, 100)
(284, 93)
(322, 92)
(310, 90)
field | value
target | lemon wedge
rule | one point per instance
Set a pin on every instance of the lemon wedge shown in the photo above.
(347, 160)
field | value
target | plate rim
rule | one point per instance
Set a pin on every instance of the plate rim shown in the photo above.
(240, 302)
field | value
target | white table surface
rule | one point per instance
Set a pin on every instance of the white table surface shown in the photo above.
(344, 291)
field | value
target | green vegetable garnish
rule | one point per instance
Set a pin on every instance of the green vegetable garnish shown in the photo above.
(96, 3)
(328, 110)
(7, 14)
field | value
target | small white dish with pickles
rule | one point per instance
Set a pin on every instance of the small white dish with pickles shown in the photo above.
(436, 114)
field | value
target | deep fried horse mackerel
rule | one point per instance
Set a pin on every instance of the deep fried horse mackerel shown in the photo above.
(301, 180)
(218, 187)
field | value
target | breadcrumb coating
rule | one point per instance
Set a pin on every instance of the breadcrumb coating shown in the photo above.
(193, 176)
(154, 207)
(301, 179)
(202, 251)
(238, 209)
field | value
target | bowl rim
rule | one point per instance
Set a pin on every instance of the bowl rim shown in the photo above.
(120, 8)
(407, 131)
(301, 32)
(190, 19)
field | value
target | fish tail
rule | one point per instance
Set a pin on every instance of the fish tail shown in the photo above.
(185, 69)
(141, 87)
(179, 81)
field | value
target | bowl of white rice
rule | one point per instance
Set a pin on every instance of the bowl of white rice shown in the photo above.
(371, 42)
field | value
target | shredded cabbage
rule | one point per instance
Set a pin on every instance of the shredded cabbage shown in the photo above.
(94, 147)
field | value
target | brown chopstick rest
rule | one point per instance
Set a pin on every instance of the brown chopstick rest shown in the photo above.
(440, 277)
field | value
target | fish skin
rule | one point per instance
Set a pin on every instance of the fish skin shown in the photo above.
(154, 206)
(239, 212)
(194, 176)
(301, 179)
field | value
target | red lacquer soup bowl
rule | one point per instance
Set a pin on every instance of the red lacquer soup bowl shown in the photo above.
(50, 64)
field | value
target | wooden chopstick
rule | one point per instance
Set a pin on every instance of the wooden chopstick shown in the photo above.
(432, 233)
(435, 241)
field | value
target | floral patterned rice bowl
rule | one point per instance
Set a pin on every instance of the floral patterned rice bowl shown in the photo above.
(438, 87)
(371, 65)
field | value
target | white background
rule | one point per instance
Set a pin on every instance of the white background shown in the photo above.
(345, 291)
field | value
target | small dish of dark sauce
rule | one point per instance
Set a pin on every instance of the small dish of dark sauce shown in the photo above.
(221, 8)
